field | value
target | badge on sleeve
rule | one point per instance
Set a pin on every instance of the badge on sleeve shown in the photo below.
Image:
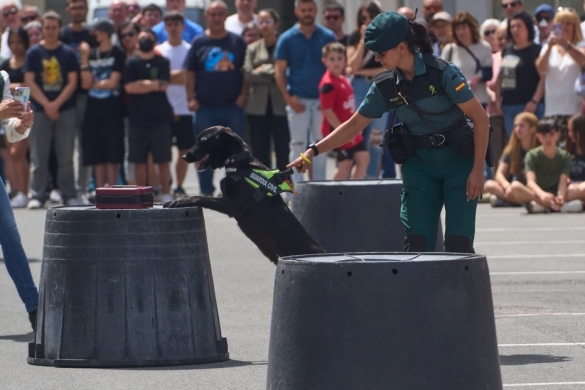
(460, 86)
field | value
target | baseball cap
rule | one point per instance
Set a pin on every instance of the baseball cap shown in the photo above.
(104, 25)
(544, 8)
(443, 15)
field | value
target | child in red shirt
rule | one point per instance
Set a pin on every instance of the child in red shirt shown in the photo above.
(338, 105)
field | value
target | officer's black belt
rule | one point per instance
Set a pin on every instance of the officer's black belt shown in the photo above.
(434, 140)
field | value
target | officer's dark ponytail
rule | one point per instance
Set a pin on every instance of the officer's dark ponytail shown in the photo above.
(417, 38)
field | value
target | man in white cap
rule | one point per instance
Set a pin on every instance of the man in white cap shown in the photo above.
(441, 27)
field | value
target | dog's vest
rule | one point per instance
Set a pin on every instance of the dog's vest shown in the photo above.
(266, 183)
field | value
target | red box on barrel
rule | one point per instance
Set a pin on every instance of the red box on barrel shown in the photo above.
(124, 197)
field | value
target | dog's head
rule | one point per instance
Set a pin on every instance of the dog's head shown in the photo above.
(213, 147)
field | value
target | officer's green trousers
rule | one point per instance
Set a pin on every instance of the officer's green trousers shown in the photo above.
(432, 178)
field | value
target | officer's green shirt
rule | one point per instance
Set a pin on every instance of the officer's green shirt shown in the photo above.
(428, 97)
(548, 171)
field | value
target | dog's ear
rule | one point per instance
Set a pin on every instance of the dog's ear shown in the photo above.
(229, 136)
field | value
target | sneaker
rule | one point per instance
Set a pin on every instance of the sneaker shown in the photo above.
(32, 317)
(533, 208)
(34, 204)
(55, 197)
(496, 202)
(81, 200)
(19, 201)
(484, 198)
(166, 198)
(179, 193)
(574, 206)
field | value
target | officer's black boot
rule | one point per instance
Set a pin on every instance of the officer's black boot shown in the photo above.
(459, 244)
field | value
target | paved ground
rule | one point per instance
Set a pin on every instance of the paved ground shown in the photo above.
(538, 279)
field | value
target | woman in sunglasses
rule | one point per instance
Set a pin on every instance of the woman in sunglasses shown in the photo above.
(519, 87)
(442, 159)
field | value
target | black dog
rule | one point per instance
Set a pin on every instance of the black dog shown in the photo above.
(266, 220)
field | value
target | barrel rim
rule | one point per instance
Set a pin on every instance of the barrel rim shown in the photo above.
(369, 257)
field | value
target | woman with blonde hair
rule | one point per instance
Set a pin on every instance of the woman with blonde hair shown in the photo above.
(509, 185)
(560, 62)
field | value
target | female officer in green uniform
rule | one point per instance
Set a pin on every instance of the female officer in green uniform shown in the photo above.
(432, 98)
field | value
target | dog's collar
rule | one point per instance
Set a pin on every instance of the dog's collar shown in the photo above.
(238, 157)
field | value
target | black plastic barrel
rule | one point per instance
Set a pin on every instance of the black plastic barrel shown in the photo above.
(354, 215)
(383, 321)
(122, 288)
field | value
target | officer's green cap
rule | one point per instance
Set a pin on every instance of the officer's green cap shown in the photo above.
(386, 31)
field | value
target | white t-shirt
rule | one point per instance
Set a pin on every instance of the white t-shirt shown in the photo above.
(5, 51)
(177, 94)
(559, 97)
(234, 25)
(467, 64)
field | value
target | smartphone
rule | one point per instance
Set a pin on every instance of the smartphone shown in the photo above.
(22, 94)
(557, 29)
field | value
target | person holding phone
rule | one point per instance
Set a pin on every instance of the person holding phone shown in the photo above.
(560, 62)
(16, 120)
(14, 66)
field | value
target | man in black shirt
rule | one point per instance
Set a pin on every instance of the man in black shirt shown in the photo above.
(51, 72)
(103, 125)
(146, 78)
(73, 35)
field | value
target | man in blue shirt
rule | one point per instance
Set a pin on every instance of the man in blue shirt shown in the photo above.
(298, 71)
(191, 30)
(215, 80)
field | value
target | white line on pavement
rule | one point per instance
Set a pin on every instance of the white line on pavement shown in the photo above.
(556, 255)
(533, 229)
(537, 273)
(528, 242)
(539, 315)
(544, 384)
(542, 345)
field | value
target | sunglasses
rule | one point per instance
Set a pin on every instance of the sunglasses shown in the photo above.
(511, 4)
(541, 18)
(378, 54)
(26, 19)
(487, 33)
(332, 17)
(128, 35)
(12, 11)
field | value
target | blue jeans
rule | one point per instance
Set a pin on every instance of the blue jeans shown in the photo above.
(14, 256)
(510, 112)
(360, 89)
(231, 116)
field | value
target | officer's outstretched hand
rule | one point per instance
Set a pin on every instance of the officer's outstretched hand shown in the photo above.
(302, 164)
(475, 184)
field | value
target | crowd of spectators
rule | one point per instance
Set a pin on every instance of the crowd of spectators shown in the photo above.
(112, 97)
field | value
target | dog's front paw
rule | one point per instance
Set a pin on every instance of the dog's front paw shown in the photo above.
(173, 204)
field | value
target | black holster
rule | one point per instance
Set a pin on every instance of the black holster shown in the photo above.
(399, 143)
(461, 140)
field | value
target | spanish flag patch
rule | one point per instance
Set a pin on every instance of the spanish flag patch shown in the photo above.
(460, 87)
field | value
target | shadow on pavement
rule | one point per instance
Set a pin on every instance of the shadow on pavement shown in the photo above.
(19, 338)
(227, 364)
(29, 260)
(519, 360)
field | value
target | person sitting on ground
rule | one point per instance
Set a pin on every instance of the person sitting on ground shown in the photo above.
(338, 105)
(547, 174)
(575, 145)
(509, 186)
